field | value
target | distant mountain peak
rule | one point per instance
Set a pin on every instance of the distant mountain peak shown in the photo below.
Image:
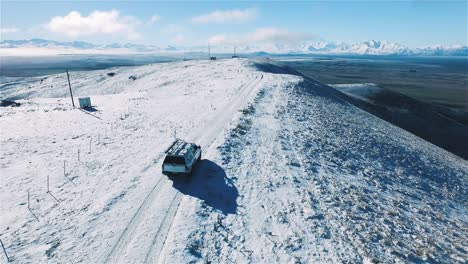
(373, 43)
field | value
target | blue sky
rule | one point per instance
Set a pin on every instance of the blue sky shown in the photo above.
(411, 23)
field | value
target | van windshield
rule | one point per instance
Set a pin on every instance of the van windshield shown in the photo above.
(174, 160)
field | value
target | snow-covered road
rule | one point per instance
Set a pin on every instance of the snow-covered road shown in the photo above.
(291, 172)
(113, 204)
(147, 231)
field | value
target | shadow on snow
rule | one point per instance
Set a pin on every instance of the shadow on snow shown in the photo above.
(210, 184)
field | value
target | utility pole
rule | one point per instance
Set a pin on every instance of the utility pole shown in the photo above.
(69, 86)
(209, 53)
(234, 51)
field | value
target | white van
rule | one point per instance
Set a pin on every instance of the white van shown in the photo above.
(180, 158)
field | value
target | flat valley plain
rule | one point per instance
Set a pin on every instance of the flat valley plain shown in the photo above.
(442, 81)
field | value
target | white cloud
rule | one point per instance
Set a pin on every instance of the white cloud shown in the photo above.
(172, 29)
(261, 35)
(153, 19)
(173, 33)
(277, 35)
(7, 30)
(97, 23)
(221, 39)
(223, 16)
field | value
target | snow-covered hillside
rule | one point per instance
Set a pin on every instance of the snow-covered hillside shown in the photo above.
(120, 147)
(35, 47)
(290, 172)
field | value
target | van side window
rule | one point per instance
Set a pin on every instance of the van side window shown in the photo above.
(189, 154)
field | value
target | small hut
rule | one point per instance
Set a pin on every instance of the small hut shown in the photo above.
(85, 102)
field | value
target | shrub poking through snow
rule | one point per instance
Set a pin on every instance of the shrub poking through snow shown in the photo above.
(5, 103)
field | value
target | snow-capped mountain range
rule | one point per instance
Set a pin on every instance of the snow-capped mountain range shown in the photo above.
(371, 47)
(77, 45)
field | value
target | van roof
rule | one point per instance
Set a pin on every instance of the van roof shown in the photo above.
(178, 148)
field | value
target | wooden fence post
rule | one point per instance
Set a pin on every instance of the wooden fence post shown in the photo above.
(29, 208)
(4, 251)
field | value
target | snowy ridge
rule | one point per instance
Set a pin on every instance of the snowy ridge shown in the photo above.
(291, 172)
(321, 181)
(370, 47)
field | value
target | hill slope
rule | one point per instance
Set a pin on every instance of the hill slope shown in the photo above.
(290, 172)
(320, 180)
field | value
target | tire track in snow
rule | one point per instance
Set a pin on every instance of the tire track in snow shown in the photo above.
(206, 137)
(203, 135)
(125, 237)
(163, 231)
